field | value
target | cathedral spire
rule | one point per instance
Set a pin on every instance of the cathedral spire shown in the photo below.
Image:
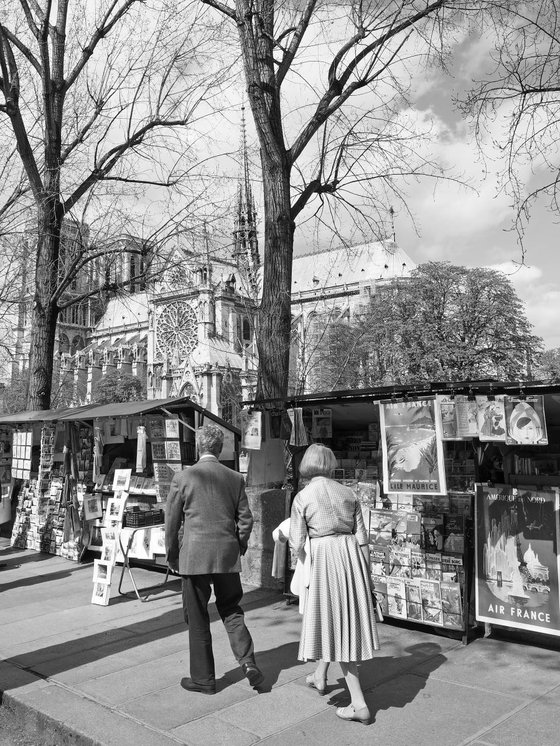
(246, 247)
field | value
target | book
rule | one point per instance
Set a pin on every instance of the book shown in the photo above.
(396, 597)
(430, 592)
(413, 600)
(452, 607)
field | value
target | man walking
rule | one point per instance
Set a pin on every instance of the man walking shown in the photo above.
(209, 501)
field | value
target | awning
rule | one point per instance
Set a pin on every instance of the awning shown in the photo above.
(117, 409)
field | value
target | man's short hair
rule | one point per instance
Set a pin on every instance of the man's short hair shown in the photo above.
(209, 439)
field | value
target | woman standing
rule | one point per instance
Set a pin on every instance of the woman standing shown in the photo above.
(338, 618)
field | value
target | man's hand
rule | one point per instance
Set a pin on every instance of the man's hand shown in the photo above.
(173, 565)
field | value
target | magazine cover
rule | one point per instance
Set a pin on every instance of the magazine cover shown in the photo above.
(433, 566)
(454, 534)
(466, 415)
(412, 448)
(321, 423)
(396, 597)
(413, 600)
(413, 528)
(452, 568)
(380, 590)
(379, 560)
(418, 563)
(381, 525)
(517, 561)
(451, 605)
(432, 532)
(491, 418)
(448, 417)
(430, 592)
(399, 562)
(461, 504)
(525, 421)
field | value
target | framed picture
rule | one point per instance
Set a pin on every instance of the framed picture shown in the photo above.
(173, 450)
(100, 594)
(156, 428)
(109, 552)
(158, 450)
(121, 479)
(108, 535)
(92, 507)
(102, 571)
(114, 512)
(172, 428)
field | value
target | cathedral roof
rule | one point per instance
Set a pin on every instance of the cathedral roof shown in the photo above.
(125, 311)
(349, 265)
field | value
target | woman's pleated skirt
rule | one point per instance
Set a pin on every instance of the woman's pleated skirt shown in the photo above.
(338, 620)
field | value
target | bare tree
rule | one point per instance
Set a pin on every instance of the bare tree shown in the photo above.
(95, 95)
(337, 68)
(518, 101)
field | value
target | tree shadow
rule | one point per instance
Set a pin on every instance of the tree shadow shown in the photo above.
(73, 653)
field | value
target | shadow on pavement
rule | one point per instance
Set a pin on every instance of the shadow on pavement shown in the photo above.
(64, 656)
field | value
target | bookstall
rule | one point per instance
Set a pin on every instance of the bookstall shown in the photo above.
(93, 480)
(459, 488)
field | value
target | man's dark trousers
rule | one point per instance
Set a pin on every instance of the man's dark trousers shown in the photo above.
(196, 594)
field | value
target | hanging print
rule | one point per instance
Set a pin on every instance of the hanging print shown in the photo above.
(517, 564)
(525, 421)
(491, 418)
(466, 416)
(412, 448)
(448, 415)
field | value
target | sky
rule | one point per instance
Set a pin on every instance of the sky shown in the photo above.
(472, 226)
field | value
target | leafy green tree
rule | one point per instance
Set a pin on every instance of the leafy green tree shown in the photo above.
(445, 323)
(118, 387)
(548, 368)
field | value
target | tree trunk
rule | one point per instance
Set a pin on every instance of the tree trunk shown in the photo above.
(274, 319)
(45, 310)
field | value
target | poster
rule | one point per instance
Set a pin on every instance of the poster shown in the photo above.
(525, 421)
(517, 563)
(252, 432)
(412, 448)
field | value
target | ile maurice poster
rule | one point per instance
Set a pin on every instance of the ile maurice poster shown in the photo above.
(412, 447)
(517, 563)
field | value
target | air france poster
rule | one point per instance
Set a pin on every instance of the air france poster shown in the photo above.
(517, 564)
(412, 447)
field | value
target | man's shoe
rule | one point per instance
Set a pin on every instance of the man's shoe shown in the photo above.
(192, 686)
(253, 674)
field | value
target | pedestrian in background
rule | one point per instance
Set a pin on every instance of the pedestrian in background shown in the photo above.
(338, 618)
(209, 501)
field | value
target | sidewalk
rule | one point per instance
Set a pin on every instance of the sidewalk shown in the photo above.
(83, 674)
